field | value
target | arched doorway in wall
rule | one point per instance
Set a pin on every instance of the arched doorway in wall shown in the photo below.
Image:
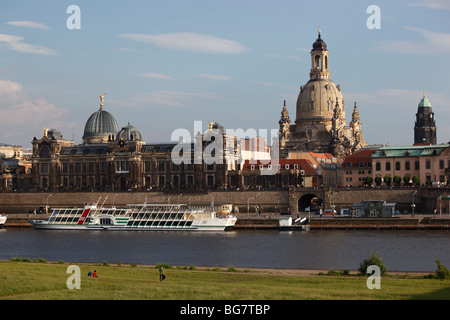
(311, 201)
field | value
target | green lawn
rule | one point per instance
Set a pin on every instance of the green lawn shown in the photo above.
(48, 281)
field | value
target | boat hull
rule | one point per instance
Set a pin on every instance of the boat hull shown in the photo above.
(44, 225)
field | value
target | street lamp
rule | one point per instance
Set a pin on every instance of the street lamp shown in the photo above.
(114, 198)
(248, 204)
(46, 207)
(413, 205)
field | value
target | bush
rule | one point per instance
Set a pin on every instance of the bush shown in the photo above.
(442, 272)
(373, 260)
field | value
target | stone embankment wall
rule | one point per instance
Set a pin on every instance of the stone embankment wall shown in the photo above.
(13, 202)
(271, 201)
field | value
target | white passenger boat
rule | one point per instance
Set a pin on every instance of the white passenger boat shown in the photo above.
(138, 217)
(2, 220)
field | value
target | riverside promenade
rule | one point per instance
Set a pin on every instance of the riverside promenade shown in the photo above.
(270, 221)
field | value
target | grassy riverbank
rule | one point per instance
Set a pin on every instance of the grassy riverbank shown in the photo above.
(48, 281)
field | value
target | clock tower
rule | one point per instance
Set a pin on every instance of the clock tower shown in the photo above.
(425, 127)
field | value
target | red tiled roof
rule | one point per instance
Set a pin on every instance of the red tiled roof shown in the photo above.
(303, 164)
(364, 155)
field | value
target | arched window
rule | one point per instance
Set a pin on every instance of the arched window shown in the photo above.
(317, 62)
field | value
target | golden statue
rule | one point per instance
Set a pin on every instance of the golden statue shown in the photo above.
(46, 132)
(211, 125)
(101, 100)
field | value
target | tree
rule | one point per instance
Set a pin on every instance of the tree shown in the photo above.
(406, 179)
(397, 180)
(373, 260)
(416, 180)
(378, 180)
(368, 180)
(442, 272)
(387, 180)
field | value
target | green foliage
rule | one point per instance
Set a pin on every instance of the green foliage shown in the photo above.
(416, 180)
(442, 272)
(368, 180)
(397, 180)
(387, 180)
(406, 179)
(378, 180)
(373, 260)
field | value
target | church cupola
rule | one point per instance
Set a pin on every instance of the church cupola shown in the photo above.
(319, 60)
(425, 127)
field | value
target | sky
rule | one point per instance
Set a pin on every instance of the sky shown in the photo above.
(163, 65)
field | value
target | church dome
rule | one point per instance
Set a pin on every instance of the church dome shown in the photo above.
(99, 126)
(129, 133)
(317, 99)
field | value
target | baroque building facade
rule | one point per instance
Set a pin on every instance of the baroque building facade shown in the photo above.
(320, 124)
(115, 160)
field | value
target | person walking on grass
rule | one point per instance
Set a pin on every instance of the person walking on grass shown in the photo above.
(162, 275)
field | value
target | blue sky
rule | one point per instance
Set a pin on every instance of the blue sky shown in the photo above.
(165, 64)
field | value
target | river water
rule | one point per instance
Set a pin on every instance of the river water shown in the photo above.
(315, 249)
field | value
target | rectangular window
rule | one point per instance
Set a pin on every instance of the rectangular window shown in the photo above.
(147, 166)
(428, 164)
(65, 167)
(407, 165)
(44, 167)
(417, 165)
(91, 167)
(441, 164)
(397, 165)
(388, 166)
(378, 166)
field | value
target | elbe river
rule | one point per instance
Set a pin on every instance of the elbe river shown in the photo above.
(414, 250)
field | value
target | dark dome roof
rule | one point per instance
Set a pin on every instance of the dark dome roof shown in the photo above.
(100, 124)
(319, 44)
(129, 133)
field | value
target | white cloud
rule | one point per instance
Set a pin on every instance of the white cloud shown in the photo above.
(215, 76)
(15, 43)
(29, 24)
(433, 4)
(25, 115)
(154, 75)
(398, 98)
(433, 43)
(186, 41)
(167, 98)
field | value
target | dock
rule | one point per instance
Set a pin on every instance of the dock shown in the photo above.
(272, 222)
